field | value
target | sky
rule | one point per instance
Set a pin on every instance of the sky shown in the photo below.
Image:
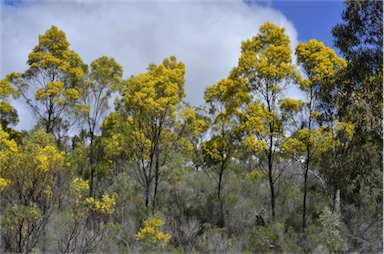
(203, 34)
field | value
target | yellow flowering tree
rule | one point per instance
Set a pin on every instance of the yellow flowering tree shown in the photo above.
(82, 226)
(52, 78)
(145, 114)
(83, 205)
(8, 114)
(151, 236)
(265, 69)
(223, 99)
(103, 79)
(321, 67)
(28, 178)
(192, 128)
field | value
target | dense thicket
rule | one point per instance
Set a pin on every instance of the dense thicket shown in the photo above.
(253, 171)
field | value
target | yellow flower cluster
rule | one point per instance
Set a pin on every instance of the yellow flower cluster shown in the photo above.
(152, 233)
(293, 145)
(49, 158)
(105, 207)
(347, 129)
(79, 186)
(52, 89)
(252, 143)
(3, 183)
(321, 63)
(289, 104)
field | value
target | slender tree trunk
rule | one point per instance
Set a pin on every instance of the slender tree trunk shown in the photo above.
(49, 124)
(272, 188)
(307, 160)
(157, 166)
(272, 198)
(20, 234)
(270, 159)
(221, 215)
(270, 176)
(91, 165)
(305, 193)
(147, 193)
(157, 173)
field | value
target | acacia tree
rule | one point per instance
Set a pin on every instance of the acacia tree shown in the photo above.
(8, 114)
(103, 79)
(321, 65)
(265, 67)
(145, 116)
(223, 98)
(73, 233)
(192, 129)
(50, 85)
(29, 187)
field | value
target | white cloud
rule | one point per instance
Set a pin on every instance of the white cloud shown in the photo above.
(205, 35)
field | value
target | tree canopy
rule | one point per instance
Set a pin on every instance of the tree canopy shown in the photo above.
(251, 170)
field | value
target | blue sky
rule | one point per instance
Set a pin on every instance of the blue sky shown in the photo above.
(312, 19)
(205, 35)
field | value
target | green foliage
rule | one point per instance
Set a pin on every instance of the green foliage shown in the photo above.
(265, 239)
(329, 233)
(360, 39)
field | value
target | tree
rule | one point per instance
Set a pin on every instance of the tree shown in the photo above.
(265, 67)
(360, 40)
(52, 79)
(151, 236)
(103, 80)
(8, 114)
(218, 151)
(192, 129)
(329, 232)
(145, 116)
(29, 188)
(73, 233)
(321, 65)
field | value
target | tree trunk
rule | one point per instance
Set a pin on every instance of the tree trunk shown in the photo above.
(270, 176)
(91, 157)
(147, 193)
(157, 173)
(306, 186)
(157, 167)
(305, 194)
(221, 215)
